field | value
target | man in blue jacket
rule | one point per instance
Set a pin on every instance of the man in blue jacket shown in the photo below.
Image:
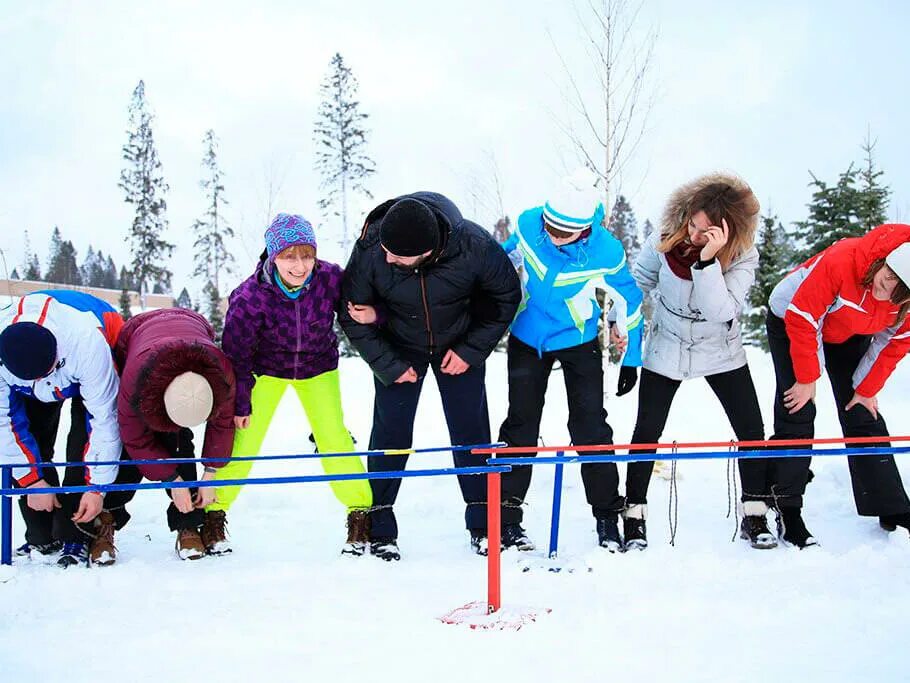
(568, 254)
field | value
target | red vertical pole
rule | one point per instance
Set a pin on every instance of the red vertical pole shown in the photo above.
(494, 538)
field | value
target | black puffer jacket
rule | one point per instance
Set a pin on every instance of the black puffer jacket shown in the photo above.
(462, 298)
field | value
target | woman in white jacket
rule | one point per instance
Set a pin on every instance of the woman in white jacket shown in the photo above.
(698, 268)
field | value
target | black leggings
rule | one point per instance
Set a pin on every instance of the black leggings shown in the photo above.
(736, 393)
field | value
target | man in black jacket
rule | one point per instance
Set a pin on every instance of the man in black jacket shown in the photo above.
(445, 292)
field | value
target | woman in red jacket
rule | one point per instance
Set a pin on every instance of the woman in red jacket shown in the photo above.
(844, 310)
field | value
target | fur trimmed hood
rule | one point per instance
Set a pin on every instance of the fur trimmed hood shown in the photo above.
(160, 368)
(677, 208)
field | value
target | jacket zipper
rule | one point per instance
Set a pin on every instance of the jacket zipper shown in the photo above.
(426, 310)
(297, 341)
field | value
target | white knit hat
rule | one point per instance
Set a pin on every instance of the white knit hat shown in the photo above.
(899, 261)
(573, 205)
(188, 399)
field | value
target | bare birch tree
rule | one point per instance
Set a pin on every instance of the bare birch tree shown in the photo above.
(609, 101)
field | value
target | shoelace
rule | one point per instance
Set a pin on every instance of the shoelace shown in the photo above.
(74, 549)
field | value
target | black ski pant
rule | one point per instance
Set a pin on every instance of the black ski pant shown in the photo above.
(464, 402)
(180, 445)
(877, 486)
(736, 393)
(529, 373)
(43, 527)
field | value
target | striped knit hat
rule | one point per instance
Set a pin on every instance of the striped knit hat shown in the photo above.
(288, 230)
(573, 205)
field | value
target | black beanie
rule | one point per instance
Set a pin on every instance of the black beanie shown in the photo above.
(28, 350)
(409, 228)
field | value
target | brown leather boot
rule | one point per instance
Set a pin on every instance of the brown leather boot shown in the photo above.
(214, 533)
(102, 551)
(358, 533)
(189, 545)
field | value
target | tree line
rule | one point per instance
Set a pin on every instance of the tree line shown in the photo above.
(340, 136)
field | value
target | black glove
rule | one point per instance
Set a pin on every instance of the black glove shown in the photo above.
(628, 376)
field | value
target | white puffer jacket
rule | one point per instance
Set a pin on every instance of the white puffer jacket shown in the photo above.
(695, 327)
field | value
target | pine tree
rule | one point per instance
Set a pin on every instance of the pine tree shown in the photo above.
(125, 281)
(93, 268)
(872, 208)
(624, 226)
(15, 274)
(111, 279)
(125, 305)
(31, 266)
(53, 253)
(775, 259)
(213, 308)
(340, 138)
(62, 268)
(832, 214)
(184, 300)
(144, 187)
(212, 258)
(646, 230)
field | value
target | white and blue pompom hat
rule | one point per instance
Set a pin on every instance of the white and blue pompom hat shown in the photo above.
(574, 204)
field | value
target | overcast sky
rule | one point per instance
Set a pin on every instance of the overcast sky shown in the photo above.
(768, 90)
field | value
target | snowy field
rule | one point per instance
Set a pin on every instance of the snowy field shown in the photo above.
(286, 607)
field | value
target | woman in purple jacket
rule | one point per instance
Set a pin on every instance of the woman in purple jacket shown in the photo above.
(278, 334)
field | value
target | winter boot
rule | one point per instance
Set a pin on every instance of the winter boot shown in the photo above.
(358, 533)
(608, 533)
(634, 529)
(385, 549)
(40, 551)
(189, 544)
(73, 554)
(791, 528)
(754, 527)
(891, 522)
(513, 536)
(214, 534)
(479, 543)
(102, 551)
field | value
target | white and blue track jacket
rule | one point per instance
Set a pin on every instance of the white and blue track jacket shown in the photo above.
(85, 328)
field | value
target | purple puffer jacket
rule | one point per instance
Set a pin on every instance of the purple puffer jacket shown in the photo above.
(267, 333)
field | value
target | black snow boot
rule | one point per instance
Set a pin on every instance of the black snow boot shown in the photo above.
(791, 528)
(513, 536)
(891, 522)
(479, 543)
(608, 534)
(385, 549)
(754, 527)
(634, 529)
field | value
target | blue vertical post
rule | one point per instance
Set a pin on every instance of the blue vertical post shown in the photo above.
(557, 504)
(6, 517)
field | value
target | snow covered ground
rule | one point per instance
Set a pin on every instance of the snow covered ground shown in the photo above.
(286, 607)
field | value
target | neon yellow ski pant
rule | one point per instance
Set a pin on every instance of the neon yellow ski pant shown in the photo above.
(320, 397)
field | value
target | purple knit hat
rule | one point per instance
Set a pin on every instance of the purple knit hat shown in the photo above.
(288, 230)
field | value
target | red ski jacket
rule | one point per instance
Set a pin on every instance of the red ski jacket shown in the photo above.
(824, 300)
